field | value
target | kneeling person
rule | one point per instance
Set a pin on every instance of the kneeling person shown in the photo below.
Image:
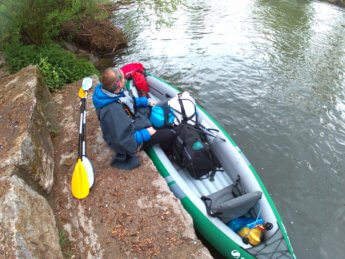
(125, 120)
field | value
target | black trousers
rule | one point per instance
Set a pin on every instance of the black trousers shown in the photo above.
(163, 137)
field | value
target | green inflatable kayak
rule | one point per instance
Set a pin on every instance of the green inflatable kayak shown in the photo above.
(236, 171)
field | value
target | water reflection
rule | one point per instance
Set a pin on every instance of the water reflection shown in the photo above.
(272, 72)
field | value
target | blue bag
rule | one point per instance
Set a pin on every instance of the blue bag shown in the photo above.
(238, 223)
(161, 116)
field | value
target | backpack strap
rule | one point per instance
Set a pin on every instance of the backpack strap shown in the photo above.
(214, 168)
(183, 111)
(203, 133)
(166, 115)
(213, 173)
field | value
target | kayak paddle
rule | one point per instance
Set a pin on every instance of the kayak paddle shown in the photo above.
(80, 181)
(87, 84)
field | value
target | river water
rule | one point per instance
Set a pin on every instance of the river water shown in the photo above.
(273, 74)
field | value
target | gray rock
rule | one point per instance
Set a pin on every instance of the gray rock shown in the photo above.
(70, 46)
(3, 68)
(2, 60)
(27, 223)
(27, 117)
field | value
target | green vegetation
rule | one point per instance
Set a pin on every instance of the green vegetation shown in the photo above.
(163, 9)
(58, 66)
(65, 244)
(39, 21)
(28, 29)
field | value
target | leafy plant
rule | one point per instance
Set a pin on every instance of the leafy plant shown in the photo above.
(58, 66)
(39, 21)
(65, 243)
(51, 74)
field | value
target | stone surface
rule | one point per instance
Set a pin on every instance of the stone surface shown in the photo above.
(27, 223)
(2, 60)
(3, 69)
(128, 214)
(100, 63)
(70, 46)
(27, 115)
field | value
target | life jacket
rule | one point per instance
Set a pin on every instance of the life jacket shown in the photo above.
(136, 71)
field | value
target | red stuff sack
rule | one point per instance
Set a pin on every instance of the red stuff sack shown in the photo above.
(132, 67)
(136, 72)
(140, 83)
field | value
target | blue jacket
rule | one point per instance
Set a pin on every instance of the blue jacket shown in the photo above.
(121, 132)
(101, 99)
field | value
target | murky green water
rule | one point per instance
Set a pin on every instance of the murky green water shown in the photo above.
(273, 74)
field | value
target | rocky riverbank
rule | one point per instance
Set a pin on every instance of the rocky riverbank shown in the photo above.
(3, 70)
(337, 2)
(122, 217)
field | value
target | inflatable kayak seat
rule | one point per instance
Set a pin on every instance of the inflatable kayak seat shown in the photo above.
(228, 203)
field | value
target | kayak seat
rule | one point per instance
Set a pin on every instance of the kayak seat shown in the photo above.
(228, 203)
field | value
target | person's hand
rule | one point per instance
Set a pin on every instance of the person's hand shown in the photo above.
(151, 103)
(151, 130)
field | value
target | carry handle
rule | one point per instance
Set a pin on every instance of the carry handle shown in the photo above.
(208, 207)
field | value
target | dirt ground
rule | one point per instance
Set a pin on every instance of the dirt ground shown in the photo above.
(127, 213)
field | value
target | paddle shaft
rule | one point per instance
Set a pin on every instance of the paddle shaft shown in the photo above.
(81, 137)
(84, 100)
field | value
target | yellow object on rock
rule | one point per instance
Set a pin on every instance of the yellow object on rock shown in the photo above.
(80, 183)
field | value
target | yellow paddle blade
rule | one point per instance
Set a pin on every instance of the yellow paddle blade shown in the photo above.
(80, 183)
(81, 93)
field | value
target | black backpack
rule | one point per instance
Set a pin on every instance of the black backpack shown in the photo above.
(191, 150)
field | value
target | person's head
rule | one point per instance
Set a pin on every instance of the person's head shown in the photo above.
(113, 80)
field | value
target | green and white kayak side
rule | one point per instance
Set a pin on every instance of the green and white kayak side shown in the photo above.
(189, 190)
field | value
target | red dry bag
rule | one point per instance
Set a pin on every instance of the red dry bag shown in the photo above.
(136, 71)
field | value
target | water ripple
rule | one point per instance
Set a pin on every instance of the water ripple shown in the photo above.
(273, 74)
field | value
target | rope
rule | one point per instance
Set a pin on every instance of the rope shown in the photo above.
(275, 252)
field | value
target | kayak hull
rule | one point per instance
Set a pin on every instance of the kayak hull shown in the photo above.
(189, 190)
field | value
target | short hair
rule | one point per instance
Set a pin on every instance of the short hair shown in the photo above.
(108, 79)
(111, 78)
